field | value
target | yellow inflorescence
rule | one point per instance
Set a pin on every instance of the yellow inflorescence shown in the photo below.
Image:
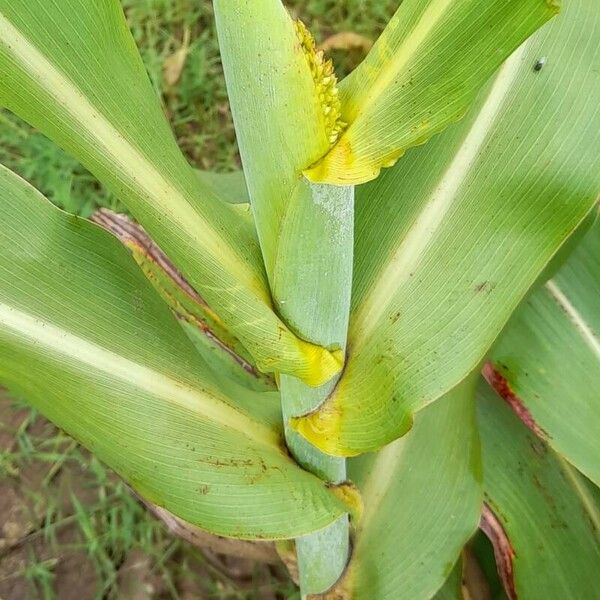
(325, 83)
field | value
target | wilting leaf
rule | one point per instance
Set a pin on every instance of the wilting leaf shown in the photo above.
(542, 516)
(346, 40)
(450, 240)
(84, 337)
(421, 75)
(71, 69)
(174, 63)
(547, 362)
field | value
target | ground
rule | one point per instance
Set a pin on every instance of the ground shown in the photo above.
(69, 529)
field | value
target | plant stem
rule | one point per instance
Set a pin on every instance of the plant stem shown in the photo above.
(321, 277)
(322, 556)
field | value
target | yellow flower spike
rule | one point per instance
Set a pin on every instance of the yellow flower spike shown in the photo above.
(325, 83)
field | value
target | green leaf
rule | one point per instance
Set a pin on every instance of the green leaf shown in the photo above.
(71, 69)
(278, 115)
(542, 516)
(450, 240)
(421, 75)
(84, 337)
(468, 579)
(422, 501)
(276, 88)
(229, 187)
(452, 588)
(547, 362)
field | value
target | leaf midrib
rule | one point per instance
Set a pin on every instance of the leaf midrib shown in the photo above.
(574, 317)
(406, 256)
(92, 356)
(131, 163)
(411, 45)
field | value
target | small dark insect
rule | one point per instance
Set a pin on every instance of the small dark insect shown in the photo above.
(539, 65)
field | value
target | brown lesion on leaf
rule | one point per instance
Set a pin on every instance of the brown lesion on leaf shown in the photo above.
(503, 549)
(185, 302)
(485, 287)
(134, 237)
(502, 387)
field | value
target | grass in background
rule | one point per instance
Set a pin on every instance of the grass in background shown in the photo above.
(82, 516)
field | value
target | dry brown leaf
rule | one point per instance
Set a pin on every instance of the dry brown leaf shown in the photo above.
(174, 63)
(347, 40)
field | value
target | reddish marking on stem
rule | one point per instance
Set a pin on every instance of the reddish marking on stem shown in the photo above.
(503, 389)
(503, 550)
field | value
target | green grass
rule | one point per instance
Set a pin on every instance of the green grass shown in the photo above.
(108, 522)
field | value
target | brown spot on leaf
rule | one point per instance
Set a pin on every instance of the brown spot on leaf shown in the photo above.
(485, 286)
(503, 550)
(503, 389)
(219, 462)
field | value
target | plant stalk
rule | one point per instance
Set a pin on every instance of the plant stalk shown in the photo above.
(319, 311)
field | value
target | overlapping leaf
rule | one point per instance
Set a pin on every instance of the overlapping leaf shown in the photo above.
(222, 351)
(547, 362)
(71, 69)
(282, 104)
(452, 588)
(422, 500)
(421, 75)
(542, 516)
(84, 337)
(449, 241)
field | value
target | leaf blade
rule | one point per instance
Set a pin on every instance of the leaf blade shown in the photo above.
(71, 69)
(541, 515)
(547, 361)
(422, 503)
(86, 340)
(223, 352)
(421, 75)
(455, 278)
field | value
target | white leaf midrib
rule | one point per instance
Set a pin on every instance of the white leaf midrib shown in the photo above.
(586, 499)
(582, 327)
(89, 356)
(407, 255)
(133, 167)
(410, 47)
